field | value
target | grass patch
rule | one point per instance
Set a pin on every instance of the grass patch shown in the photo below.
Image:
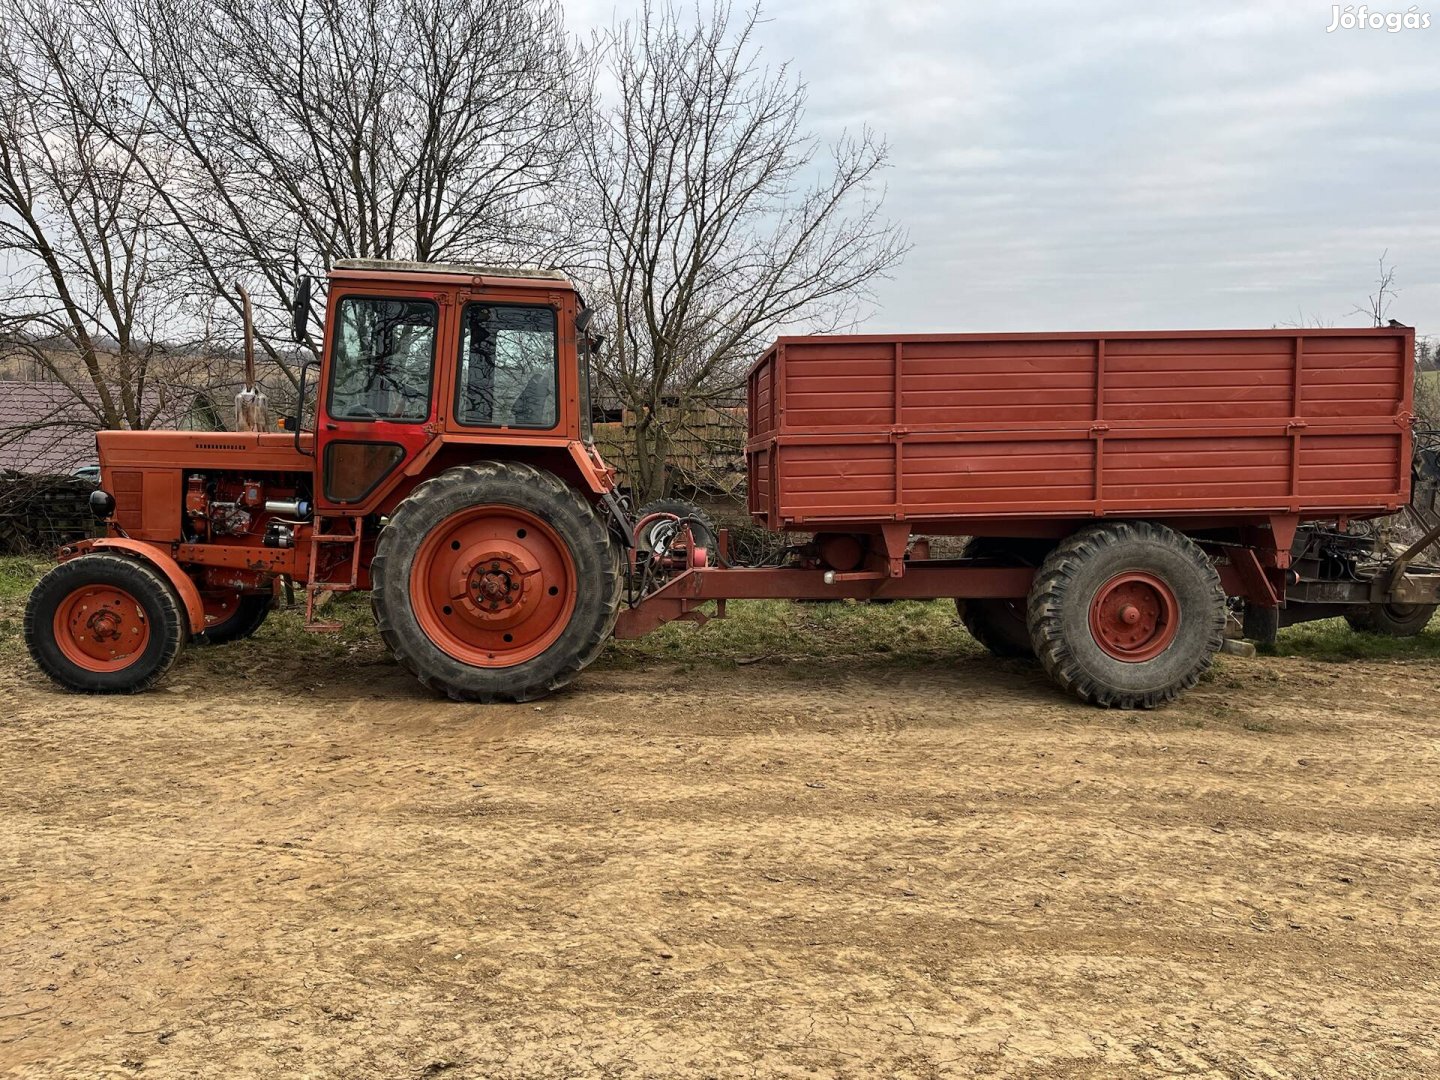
(908, 631)
(18, 574)
(285, 629)
(1334, 640)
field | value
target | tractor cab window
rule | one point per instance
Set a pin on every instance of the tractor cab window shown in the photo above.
(383, 355)
(508, 367)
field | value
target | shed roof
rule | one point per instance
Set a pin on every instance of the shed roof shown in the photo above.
(44, 429)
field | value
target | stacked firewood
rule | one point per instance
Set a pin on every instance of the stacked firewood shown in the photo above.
(40, 513)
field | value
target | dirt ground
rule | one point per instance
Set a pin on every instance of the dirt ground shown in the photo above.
(772, 869)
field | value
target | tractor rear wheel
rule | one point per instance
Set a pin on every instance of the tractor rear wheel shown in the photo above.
(1000, 624)
(1128, 614)
(232, 616)
(495, 582)
(1393, 620)
(104, 624)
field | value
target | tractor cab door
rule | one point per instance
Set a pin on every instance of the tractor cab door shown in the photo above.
(377, 400)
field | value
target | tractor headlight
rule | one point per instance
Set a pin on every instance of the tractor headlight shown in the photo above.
(102, 504)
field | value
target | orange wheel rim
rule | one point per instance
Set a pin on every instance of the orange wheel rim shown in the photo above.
(101, 628)
(219, 606)
(493, 586)
(1134, 617)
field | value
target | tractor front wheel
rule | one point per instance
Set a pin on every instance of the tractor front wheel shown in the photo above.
(1128, 614)
(495, 582)
(104, 624)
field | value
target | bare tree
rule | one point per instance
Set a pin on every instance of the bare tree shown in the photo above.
(298, 132)
(1377, 305)
(85, 298)
(1427, 351)
(719, 217)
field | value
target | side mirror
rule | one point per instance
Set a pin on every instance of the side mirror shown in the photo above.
(300, 309)
(582, 320)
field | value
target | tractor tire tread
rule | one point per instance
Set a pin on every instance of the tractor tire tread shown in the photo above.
(168, 620)
(498, 480)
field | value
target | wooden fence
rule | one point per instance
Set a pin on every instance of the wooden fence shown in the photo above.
(706, 454)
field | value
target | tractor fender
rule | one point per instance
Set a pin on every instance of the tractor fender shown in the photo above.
(598, 476)
(158, 558)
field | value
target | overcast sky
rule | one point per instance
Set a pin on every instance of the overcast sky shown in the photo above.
(1113, 165)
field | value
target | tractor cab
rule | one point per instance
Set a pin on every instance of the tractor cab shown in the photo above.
(419, 357)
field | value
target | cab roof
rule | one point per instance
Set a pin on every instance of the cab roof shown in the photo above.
(466, 270)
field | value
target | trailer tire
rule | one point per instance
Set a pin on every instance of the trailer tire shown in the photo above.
(1000, 625)
(249, 614)
(1127, 614)
(1392, 620)
(495, 581)
(1261, 624)
(83, 614)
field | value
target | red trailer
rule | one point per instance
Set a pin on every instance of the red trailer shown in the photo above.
(1020, 433)
(1118, 488)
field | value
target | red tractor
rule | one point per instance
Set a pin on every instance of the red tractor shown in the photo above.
(1122, 490)
(453, 407)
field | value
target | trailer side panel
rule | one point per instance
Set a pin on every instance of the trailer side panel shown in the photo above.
(931, 428)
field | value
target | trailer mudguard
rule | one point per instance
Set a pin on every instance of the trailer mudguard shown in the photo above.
(157, 557)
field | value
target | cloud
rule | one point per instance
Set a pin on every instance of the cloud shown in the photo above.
(1115, 165)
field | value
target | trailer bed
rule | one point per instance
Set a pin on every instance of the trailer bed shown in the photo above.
(947, 430)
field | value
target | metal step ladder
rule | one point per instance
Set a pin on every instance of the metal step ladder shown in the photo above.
(314, 589)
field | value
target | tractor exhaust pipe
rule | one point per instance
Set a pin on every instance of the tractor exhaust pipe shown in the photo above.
(251, 408)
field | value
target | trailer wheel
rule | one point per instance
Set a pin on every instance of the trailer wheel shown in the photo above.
(1127, 615)
(236, 616)
(495, 582)
(1261, 624)
(1393, 620)
(1000, 624)
(104, 624)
